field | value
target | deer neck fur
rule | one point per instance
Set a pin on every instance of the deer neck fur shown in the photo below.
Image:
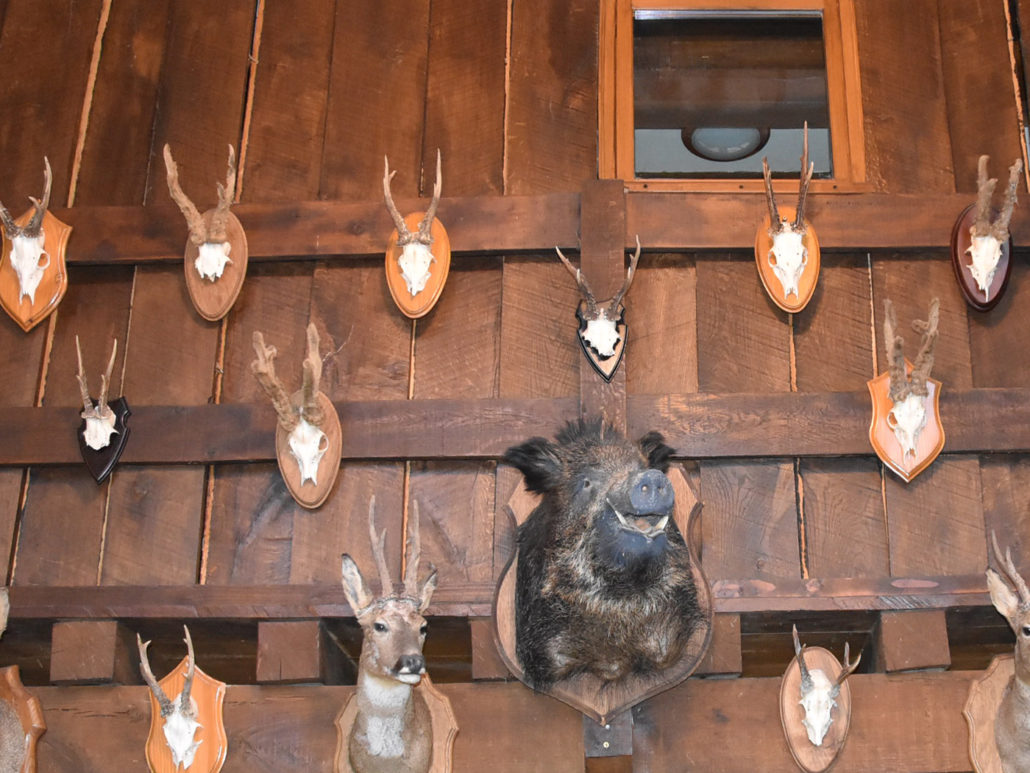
(384, 723)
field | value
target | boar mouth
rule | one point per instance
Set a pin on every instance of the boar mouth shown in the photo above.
(648, 524)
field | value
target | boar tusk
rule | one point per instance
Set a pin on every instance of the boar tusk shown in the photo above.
(620, 516)
(661, 524)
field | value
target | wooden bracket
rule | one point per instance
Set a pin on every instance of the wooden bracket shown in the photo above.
(93, 652)
(612, 739)
(912, 639)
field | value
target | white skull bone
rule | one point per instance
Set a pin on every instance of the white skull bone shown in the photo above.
(211, 259)
(26, 256)
(99, 429)
(308, 445)
(601, 334)
(985, 254)
(179, 729)
(818, 704)
(907, 419)
(788, 258)
(414, 263)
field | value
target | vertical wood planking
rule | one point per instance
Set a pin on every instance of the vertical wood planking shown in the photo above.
(997, 338)
(749, 519)
(1006, 493)
(845, 523)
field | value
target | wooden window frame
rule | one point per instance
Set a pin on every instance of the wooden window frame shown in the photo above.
(844, 94)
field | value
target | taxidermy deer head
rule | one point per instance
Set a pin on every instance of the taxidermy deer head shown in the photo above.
(987, 235)
(1011, 597)
(99, 418)
(599, 321)
(908, 416)
(392, 725)
(180, 715)
(818, 693)
(308, 443)
(212, 242)
(27, 242)
(789, 256)
(416, 256)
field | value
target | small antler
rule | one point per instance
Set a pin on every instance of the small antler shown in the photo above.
(404, 234)
(414, 551)
(581, 282)
(1009, 568)
(194, 220)
(310, 409)
(378, 543)
(613, 307)
(806, 177)
(846, 670)
(899, 386)
(35, 224)
(1000, 227)
(799, 652)
(984, 193)
(105, 382)
(424, 227)
(770, 198)
(87, 403)
(226, 193)
(167, 708)
(185, 707)
(924, 360)
(264, 370)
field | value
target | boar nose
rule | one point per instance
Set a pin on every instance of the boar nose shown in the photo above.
(411, 664)
(652, 493)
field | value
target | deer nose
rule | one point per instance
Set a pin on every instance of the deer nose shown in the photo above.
(411, 664)
(651, 493)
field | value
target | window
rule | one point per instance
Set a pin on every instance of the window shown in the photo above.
(694, 93)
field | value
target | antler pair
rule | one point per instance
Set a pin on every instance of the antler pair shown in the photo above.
(901, 386)
(1009, 571)
(199, 232)
(807, 169)
(101, 409)
(982, 225)
(584, 289)
(167, 707)
(35, 224)
(264, 369)
(807, 684)
(413, 550)
(404, 234)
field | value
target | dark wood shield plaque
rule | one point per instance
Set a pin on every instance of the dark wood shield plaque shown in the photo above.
(605, 366)
(961, 238)
(100, 463)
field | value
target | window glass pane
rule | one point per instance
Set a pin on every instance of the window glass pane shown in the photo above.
(714, 92)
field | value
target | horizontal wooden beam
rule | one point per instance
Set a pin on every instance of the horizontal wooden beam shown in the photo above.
(298, 602)
(697, 425)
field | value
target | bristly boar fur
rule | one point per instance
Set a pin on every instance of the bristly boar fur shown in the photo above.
(604, 582)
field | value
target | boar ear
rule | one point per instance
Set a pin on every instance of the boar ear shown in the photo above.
(538, 461)
(653, 447)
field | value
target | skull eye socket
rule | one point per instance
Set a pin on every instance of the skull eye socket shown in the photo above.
(379, 627)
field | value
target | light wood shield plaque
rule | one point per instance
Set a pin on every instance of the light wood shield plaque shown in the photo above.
(881, 437)
(587, 693)
(29, 712)
(54, 283)
(208, 695)
(809, 757)
(308, 494)
(809, 276)
(213, 299)
(981, 709)
(417, 306)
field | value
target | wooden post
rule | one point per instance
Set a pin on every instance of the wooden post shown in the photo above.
(486, 662)
(723, 657)
(291, 651)
(93, 652)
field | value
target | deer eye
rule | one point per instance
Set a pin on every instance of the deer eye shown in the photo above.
(379, 627)
(1026, 630)
(425, 627)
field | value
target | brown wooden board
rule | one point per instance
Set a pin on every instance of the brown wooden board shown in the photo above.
(997, 335)
(1005, 482)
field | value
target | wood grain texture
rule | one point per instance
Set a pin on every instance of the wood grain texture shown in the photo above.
(551, 137)
(910, 107)
(1006, 500)
(996, 336)
(915, 639)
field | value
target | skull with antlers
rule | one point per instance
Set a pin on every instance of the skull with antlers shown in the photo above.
(987, 234)
(300, 415)
(27, 242)
(788, 255)
(100, 419)
(212, 241)
(818, 693)
(180, 715)
(416, 255)
(908, 392)
(599, 322)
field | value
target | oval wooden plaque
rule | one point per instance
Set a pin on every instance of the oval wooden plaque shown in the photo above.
(208, 695)
(309, 495)
(881, 437)
(417, 306)
(809, 757)
(51, 288)
(212, 300)
(961, 260)
(981, 709)
(809, 276)
(30, 713)
(592, 696)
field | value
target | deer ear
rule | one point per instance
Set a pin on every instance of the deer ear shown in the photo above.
(1002, 597)
(354, 586)
(425, 593)
(538, 461)
(652, 445)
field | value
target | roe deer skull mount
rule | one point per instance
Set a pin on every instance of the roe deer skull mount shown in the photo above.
(818, 693)
(908, 416)
(100, 418)
(27, 241)
(988, 234)
(416, 256)
(180, 714)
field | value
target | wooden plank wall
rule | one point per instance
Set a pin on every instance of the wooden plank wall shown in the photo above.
(313, 95)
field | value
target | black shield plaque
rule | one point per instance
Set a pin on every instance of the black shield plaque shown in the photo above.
(100, 463)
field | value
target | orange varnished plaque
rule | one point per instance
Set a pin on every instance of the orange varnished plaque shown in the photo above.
(29, 712)
(809, 757)
(961, 238)
(981, 708)
(587, 693)
(445, 728)
(422, 303)
(54, 283)
(309, 495)
(809, 276)
(207, 695)
(931, 438)
(213, 299)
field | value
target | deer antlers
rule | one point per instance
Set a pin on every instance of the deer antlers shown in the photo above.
(807, 683)
(404, 234)
(413, 549)
(1009, 571)
(807, 169)
(584, 288)
(264, 370)
(35, 225)
(901, 386)
(101, 409)
(199, 232)
(167, 707)
(982, 225)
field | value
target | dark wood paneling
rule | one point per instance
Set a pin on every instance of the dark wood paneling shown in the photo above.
(1006, 498)
(997, 338)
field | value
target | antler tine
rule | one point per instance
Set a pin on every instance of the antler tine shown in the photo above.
(984, 193)
(799, 654)
(581, 282)
(378, 543)
(924, 360)
(403, 234)
(424, 227)
(36, 223)
(310, 409)
(414, 551)
(187, 686)
(770, 198)
(807, 170)
(194, 220)
(105, 382)
(264, 370)
(1000, 227)
(10, 227)
(847, 669)
(87, 403)
(1009, 568)
(226, 194)
(148, 676)
(630, 274)
(899, 388)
